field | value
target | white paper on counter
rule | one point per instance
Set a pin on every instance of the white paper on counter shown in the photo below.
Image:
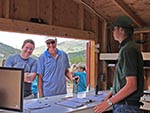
(36, 105)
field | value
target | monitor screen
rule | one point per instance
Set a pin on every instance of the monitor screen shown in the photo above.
(11, 88)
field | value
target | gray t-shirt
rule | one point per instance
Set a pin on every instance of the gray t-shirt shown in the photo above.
(29, 65)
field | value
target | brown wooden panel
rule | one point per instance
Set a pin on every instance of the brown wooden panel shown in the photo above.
(141, 8)
(1, 8)
(23, 9)
(45, 10)
(146, 45)
(87, 20)
(65, 13)
(42, 29)
(92, 65)
(4, 8)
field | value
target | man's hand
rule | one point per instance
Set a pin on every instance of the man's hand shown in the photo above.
(100, 108)
(76, 78)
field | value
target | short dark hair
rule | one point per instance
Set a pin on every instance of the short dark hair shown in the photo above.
(28, 41)
(129, 32)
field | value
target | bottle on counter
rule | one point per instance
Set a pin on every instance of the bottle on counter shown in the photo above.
(75, 86)
(96, 90)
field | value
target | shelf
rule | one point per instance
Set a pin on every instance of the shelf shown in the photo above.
(111, 58)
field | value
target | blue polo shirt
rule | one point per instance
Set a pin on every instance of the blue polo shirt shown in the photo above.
(53, 71)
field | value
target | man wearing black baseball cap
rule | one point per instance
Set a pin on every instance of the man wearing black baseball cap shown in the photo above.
(128, 82)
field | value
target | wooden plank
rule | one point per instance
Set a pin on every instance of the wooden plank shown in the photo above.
(104, 49)
(114, 56)
(146, 55)
(92, 65)
(94, 53)
(65, 13)
(45, 8)
(80, 17)
(6, 8)
(141, 38)
(38, 7)
(1, 8)
(91, 9)
(108, 56)
(43, 29)
(142, 30)
(23, 9)
(129, 12)
(88, 65)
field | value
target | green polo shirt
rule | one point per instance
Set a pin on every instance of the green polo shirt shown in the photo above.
(130, 63)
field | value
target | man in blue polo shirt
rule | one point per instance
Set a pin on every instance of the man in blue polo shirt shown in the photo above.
(51, 68)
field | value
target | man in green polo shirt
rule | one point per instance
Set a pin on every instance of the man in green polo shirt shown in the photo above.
(128, 82)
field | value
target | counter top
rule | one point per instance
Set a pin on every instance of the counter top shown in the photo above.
(56, 108)
(51, 104)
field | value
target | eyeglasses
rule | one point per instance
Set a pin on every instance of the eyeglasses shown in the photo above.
(52, 42)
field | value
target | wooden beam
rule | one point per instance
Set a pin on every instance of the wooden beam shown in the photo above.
(137, 20)
(142, 30)
(94, 55)
(43, 29)
(104, 49)
(6, 8)
(114, 56)
(108, 56)
(81, 17)
(92, 65)
(51, 12)
(88, 65)
(38, 9)
(90, 9)
(141, 38)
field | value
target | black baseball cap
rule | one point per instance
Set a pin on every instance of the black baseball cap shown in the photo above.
(124, 21)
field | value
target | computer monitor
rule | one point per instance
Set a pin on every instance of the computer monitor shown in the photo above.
(11, 89)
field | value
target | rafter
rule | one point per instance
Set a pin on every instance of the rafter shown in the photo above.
(43, 29)
(6, 8)
(137, 20)
(142, 30)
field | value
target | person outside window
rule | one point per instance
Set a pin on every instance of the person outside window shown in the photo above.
(81, 74)
(35, 87)
(28, 63)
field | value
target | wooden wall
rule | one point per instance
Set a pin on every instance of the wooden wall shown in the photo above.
(63, 18)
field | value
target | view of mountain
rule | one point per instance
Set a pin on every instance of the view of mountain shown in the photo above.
(6, 50)
(67, 46)
(75, 50)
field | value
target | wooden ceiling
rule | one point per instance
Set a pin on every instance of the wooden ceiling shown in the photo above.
(137, 10)
(71, 18)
